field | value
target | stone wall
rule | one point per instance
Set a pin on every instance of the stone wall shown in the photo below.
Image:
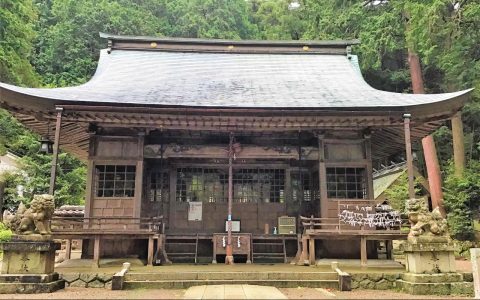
(374, 281)
(89, 280)
(382, 281)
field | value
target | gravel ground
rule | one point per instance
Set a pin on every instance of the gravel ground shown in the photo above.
(291, 293)
(310, 293)
(100, 293)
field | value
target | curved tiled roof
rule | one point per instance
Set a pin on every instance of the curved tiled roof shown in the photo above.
(232, 80)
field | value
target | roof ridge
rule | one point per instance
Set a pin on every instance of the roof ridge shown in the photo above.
(181, 40)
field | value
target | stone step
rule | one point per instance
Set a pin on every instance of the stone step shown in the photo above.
(31, 288)
(298, 276)
(183, 284)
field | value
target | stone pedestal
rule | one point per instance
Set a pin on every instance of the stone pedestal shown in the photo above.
(431, 268)
(430, 258)
(28, 266)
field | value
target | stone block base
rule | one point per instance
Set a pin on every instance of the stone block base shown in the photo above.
(429, 258)
(28, 257)
(30, 283)
(435, 284)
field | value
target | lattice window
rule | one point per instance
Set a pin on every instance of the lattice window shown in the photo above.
(346, 183)
(315, 186)
(249, 185)
(253, 185)
(115, 181)
(301, 186)
(199, 184)
(159, 186)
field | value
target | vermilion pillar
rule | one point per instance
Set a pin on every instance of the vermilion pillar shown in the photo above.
(434, 174)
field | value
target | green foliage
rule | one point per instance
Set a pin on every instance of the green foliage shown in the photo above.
(56, 43)
(34, 173)
(5, 233)
(397, 193)
(462, 199)
(17, 18)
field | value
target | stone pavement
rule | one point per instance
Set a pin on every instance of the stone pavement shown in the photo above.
(233, 291)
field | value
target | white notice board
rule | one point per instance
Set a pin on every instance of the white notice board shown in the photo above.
(194, 211)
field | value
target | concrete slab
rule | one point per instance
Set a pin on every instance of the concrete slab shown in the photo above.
(327, 294)
(214, 292)
(262, 292)
(195, 292)
(233, 291)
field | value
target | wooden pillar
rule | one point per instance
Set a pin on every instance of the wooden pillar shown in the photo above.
(322, 177)
(363, 251)
(368, 156)
(56, 144)
(172, 197)
(90, 178)
(139, 177)
(96, 252)
(303, 260)
(150, 251)
(229, 249)
(408, 149)
(68, 249)
(311, 251)
(458, 144)
(434, 174)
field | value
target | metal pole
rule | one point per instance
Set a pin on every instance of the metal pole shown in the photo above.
(229, 249)
(56, 144)
(408, 149)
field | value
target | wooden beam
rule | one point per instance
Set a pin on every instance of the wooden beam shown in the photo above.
(96, 252)
(311, 251)
(368, 156)
(229, 249)
(137, 209)
(322, 177)
(68, 249)
(408, 149)
(53, 173)
(363, 251)
(150, 251)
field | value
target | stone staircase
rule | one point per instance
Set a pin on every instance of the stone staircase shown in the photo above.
(182, 280)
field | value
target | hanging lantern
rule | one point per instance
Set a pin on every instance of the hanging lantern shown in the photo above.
(46, 146)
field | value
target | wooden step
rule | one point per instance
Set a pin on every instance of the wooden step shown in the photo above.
(299, 276)
(183, 284)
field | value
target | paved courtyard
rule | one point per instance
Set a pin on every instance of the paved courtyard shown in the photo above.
(290, 293)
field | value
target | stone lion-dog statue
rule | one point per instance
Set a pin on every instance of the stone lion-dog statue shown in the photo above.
(32, 220)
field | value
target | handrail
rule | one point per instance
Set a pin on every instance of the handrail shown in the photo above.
(125, 223)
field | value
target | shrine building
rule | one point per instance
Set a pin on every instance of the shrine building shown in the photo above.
(174, 130)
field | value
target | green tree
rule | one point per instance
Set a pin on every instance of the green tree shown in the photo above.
(68, 49)
(17, 19)
(462, 199)
(226, 19)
